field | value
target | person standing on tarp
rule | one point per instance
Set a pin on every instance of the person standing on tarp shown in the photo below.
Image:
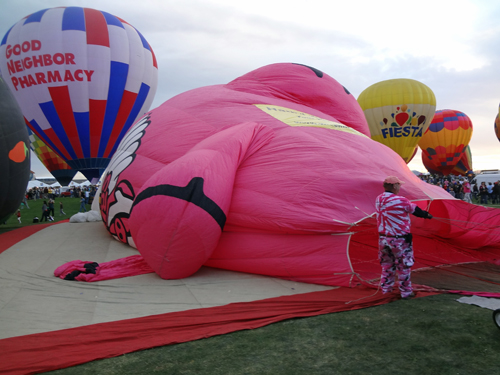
(395, 240)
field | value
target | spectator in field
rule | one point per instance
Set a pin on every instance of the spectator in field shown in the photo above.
(483, 193)
(475, 192)
(45, 211)
(467, 191)
(490, 191)
(82, 204)
(51, 207)
(496, 193)
(457, 188)
(61, 211)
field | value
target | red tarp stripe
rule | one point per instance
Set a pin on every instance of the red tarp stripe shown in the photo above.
(96, 28)
(12, 237)
(97, 110)
(59, 349)
(62, 103)
(126, 105)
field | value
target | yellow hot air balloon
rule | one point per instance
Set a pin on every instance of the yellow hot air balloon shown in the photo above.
(398, 112)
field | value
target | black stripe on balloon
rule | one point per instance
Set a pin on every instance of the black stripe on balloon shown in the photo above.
(192, 192)
(318, 72)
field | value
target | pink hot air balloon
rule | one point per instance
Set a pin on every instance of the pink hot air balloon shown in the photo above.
(81, 77)
(273, 173)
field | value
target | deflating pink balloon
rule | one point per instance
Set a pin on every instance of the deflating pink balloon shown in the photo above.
(273, 173)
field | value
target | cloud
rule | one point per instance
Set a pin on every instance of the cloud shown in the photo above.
(450, 45)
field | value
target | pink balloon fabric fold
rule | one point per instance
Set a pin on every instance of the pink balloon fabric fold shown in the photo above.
(275, 174)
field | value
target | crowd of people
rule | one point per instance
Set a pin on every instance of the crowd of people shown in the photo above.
(458, 187)
(53, 192)
(461, 188)
(86, 195)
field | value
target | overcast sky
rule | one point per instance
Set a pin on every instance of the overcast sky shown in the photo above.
(452, 46)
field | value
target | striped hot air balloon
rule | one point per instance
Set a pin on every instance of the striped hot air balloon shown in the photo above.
(81, 77)
(446, 139)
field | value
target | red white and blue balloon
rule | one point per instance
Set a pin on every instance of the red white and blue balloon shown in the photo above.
(81, 77)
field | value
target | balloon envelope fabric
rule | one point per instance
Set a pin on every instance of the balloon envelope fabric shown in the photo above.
(464, 165)
(445, 140)
(14, 154)
(81, 77)
(273, 173)
(54, 164)
(398, 112)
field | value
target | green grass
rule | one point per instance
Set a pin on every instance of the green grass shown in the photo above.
(432, 335)
(71, 207)
(478, 200)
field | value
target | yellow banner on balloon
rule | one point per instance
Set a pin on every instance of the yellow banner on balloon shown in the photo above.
(292, 117)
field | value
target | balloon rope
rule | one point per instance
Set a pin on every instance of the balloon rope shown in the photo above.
(364, 282)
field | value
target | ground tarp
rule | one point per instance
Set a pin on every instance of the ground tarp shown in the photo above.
(60, 349)
(49, 323)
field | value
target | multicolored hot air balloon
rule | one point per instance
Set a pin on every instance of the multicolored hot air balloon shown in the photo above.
(14, 154)
(54, 164)
(398, 112)
(81, 77)
(430, 167)
(446, 139)
(464, 165)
